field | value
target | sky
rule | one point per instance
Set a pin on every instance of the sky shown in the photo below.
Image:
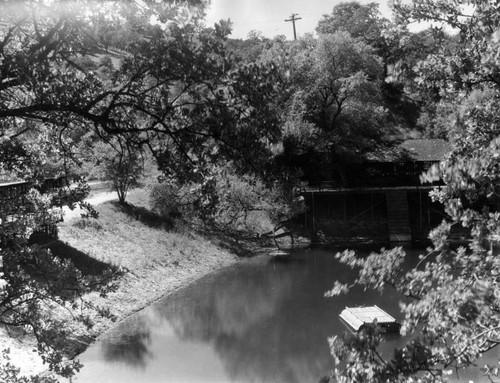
(268, 16)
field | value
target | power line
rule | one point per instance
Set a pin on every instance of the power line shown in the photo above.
(293, 19)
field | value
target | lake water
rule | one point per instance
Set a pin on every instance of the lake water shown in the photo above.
(256, 321)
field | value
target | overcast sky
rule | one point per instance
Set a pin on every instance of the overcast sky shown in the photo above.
(268, 16)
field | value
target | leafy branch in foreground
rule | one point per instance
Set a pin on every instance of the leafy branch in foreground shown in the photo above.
(11, 374)
(452, 309)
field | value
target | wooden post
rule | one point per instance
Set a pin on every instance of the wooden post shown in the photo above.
(420, 207)
(345, 210)
(314, 213)
(372, 207)
(305, 216)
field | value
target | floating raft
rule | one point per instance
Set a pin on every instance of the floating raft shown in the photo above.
(357, 317)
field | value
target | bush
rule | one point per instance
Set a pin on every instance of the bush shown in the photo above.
(88, 223)
(246, 205)
(227, 201)
(173, 201)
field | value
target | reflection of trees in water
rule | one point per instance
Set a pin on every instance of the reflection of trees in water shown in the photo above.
(280, 348)
(258, 331)
(228, 307)
(128, 343)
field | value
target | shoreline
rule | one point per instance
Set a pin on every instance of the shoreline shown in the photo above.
(164, 263)
(157, 263)
(169, 290)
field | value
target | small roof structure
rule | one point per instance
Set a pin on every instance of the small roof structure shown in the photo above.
(356, 317)
(426, 149)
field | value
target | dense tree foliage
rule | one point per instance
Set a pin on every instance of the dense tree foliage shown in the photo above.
(359, 20)
(242, 205)
(174, 82)
(351, 93)
(452, 311)
(400, 52)
(334, 110)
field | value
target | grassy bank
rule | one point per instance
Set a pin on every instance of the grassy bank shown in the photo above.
(156, 261)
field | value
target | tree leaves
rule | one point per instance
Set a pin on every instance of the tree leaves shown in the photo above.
(453, 313)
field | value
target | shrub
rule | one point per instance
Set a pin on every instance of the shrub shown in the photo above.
(86, 223)
(227, 201)
(172, 200)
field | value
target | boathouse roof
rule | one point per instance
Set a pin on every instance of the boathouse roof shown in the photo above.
(426, 149)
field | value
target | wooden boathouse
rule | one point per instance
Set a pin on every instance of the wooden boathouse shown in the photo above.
(392, 206)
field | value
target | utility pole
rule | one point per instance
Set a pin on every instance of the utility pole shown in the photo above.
(293, 19)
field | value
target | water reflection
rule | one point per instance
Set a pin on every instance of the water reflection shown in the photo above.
(226, 307)
(255, 322)
(128, 343)
(247, 319)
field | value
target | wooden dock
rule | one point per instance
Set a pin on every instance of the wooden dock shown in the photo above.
(357, 317)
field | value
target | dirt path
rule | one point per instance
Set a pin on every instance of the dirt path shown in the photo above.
(99, 193)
